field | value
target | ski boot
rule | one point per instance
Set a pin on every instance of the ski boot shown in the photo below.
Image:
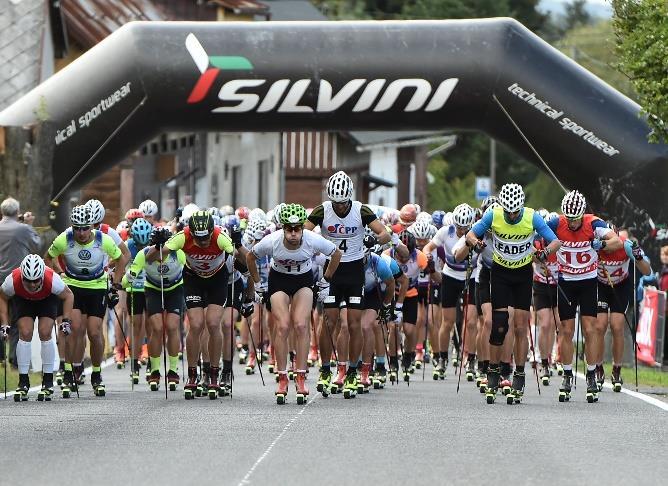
(282, 390)
(600, 377)
(505, 384)
(136, 366)
(380, 376)
(616, 378)
(59, 374)
(427, 357)
(364, 381)
(266, 352)
(45, 393)
(560, 368)
(243, 356)
(394, 374)
(147, 371)
(493, 376)
(350, 385)
(21, 393)
(455, 359)
(592, 387)
(119, 356)
(565, 388)
(291, 367)
(154, 380)
(419, 358)
(545, 376)
(324, 382)
(440, 369)
(478, 377)
(300, 384)
(337, 384)
(517, 391)
(483, 383)
(172, 380)
(271, 366)
(470, 370)
(69, 384)
(203, 385)
(312, 356)
(226, 383)
(97, 384)
(190, 388)
(79, 374)
(214, 387)
(250, 367)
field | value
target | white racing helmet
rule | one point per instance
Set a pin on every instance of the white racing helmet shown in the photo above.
(511, 197)
(463, 215)
(257, 214)
(573, 205)
(32, 267)
(149, 208)
(421, 229)
(96, 209)
(340, 187)
(80, 216)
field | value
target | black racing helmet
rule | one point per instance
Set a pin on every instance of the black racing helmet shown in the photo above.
(408, 239)
(201, 224)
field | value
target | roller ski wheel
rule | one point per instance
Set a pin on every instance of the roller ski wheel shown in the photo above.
(560, 369)
(393, 376)
(282, 390)
(347, 394)
(592, 387)
(291, 375)
(545, 380)
(44, 395)
(350, 385)
(517, 389)
(225, 383)
(376, 384)
(418, 365)
(120, 365)
(616, 379)
(564, 396)
(565, 389)
(243, 357)
(188, 394)
(250, 370)
(483, 388)
(435, 375)
(455, 362)
(59, 378)
(270, 368)
(100, 390)
(505, 385)
(97, 384)
(301, 399)
(212, 392)
(300, 387)
(407, 376)
(134, 377)
(21, 393)
(172, 380)
(490, 397)
(469, 376)
(199, 390)
(154, 381)
(65, 391)
(324, 380)
(617, 387)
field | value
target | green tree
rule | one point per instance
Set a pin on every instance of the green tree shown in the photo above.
(641, 30)
(576, 15)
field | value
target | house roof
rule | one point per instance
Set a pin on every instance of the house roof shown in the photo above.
(243, 6)
(293, 10)
(22, 27)
(369, 138)
(90, 21)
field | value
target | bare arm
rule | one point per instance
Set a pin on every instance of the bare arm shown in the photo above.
(68, 301)
(403, 282)
(612, 242)
(251, 263)
(309, 225)
(644, 266)
(333, 264)
(382, 234)
(389, 291)
(4, 315)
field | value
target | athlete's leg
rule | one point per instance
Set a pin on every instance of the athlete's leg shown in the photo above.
(214, 314)
(280, 310)
(521, 328)
(195, 328)
(342, 334)
(368, 324)
(96, 338)
(300, 317)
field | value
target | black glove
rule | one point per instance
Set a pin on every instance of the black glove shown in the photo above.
(112, 298)
(542, 255)
(479, 246)
(385, 312)
(235, 235)
(159, 236)
(370, 241)
(247, 309)
(431, 266)
(4, 331)
(65, 326)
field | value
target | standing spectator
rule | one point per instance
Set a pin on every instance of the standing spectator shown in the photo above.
(663, 285)
(17, 239)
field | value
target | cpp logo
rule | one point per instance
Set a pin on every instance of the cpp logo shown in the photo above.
(84, 255)
(339, 229)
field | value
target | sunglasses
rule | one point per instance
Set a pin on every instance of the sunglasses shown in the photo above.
(80, 228)
(574, 220)
(292, 229)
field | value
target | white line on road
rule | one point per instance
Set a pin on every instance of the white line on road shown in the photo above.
(245, 480)
(640, 396)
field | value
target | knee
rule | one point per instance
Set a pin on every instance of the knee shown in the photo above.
(499, 327)
(282, 330)
(301, 328)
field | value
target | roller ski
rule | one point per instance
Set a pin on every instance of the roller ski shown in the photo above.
(517, 389)
(21, 393)
(243, 356)
(560, 369)
(365, 382)
(300, 385)
(134, 375)
(455, 359)
(154, 380)
(59, 374)
(592, 387)
(191, 385)
(214, 387)
(565, 388)
(69, 385)
(545, 376)
(616, 378)
(440, 369)
(225, 383)
(312, 356)
(119, 356)
(291, 367)
(470, 370)
(379, 377)
(44, 395)
(203, 385)
(324, 382)
(394, 375)
(350, 385)
(478, 377)
(419, 358)
(600, 377)
(172, 380)
(282, 390)
(252, 362)
(493, 376)
(483, 384)
(505, 384)
(79, 375)
(97, 384)
(337, 384)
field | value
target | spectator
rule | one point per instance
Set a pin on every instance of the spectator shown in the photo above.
(17, 239)
(663, 273)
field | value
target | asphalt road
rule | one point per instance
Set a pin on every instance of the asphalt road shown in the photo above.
(422, 434)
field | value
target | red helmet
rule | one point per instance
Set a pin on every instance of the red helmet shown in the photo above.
(133, 214)
(408, 214)
(242, 212)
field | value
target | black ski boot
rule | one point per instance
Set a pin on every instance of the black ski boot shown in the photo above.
(616, 378)
(21, 393)
(225, 383)
(97, 384)
(517, 391)
(600, 376)
(592, 387)
(566, 385)
(493, 376)
(47, 388)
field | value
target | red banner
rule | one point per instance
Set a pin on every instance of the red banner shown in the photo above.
(647, 327)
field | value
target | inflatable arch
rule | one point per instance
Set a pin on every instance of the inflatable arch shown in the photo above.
(150, 77)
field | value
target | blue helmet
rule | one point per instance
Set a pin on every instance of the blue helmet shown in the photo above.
(231, 221)
(141, 231)
(437, 217)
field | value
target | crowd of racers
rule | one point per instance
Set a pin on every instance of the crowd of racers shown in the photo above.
(364, 293)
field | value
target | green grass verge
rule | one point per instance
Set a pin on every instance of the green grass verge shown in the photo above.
(647, 377)
(13, 379)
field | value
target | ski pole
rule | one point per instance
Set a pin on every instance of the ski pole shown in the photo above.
(4, 353)
(164, 325)
(259, 361)
(426, 327)
(577, 350)
(533, 353)
(329, 333)
(462, 344)
(635, 319)
(232, 333)
(552, 303)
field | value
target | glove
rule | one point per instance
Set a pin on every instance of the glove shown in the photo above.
(4, 331)
(370, 241)
(597, 244)
(385, 312)
(542, 255)
(431, 266)
(159, 236)
(112, 298)
(65, 326)
(633, 250)
(322, 289)
(479, 246)
(398, 312)
(235, 235)
(247, 309)
(260, 293)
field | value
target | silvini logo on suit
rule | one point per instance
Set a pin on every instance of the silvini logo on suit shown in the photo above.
(287, 95)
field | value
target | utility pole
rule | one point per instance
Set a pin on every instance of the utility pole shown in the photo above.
(492, 165)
